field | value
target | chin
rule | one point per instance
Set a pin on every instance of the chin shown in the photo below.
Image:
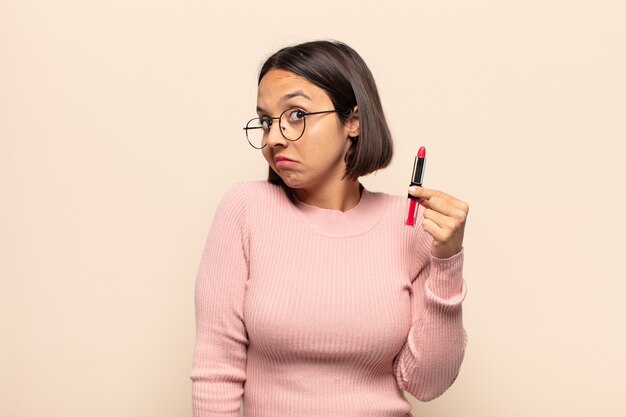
(294, 181)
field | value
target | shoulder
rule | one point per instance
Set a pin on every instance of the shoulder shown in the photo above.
(243, 196)
(255, 188)
(393, 203)
(247, 204)
(413, 242)
(398, 204)
(396, 207)
(252, 191)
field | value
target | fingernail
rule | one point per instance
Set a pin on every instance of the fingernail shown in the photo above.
(412, 188)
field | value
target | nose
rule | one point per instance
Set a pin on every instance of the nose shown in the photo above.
(273, 137)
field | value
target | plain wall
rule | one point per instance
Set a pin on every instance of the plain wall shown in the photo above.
(121, 127)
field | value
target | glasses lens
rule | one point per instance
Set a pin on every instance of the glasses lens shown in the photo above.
(254, 133)
(292, 123)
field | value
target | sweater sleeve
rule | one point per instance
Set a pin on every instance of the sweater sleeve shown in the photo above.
(219, 364)
(431, 358)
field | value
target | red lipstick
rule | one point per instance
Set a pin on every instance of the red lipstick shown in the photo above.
(416, 180)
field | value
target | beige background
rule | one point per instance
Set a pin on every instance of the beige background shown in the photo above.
(121, 127)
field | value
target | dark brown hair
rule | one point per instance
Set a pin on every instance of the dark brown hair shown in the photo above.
(342, 73)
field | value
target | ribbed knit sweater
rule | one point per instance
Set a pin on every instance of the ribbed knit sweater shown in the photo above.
(312, 312)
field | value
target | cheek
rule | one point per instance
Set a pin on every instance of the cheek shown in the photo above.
(326, 134)
(329, 141)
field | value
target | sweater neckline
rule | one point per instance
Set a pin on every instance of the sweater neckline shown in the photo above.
(359, 219)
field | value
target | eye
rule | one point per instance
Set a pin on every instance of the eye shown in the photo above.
(296, 115)
(266, 123)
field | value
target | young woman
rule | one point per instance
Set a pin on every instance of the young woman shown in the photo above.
(312, 297)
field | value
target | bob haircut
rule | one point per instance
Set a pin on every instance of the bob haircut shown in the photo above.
(343, 75)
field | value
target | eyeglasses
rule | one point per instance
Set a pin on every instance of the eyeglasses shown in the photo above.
(291, 124)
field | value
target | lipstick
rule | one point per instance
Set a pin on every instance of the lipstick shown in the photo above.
(416, 180)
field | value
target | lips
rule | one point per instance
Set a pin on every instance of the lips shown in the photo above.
(283, 162)
(279, 158)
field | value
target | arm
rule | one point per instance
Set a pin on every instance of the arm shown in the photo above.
(219, 363)
(430, 360)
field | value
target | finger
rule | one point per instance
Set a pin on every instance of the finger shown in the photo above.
(443, 230)
(442, 221)
(428, 193)
(423, 202)
(446, 207)
(424, 192)
(430, 227)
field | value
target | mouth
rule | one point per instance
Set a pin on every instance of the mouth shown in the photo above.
(279, 158)
(283, 162)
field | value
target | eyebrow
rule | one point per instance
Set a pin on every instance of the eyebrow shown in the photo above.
(288, 96)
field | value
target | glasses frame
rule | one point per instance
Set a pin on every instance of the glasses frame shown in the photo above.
(280, 127)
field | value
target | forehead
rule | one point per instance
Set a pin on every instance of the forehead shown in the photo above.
(279, 85)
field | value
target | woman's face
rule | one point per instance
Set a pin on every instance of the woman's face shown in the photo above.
(317, 158)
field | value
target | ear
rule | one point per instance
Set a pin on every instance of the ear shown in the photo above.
(352, 124)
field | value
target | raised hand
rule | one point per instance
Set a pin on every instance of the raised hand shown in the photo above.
(444, 220)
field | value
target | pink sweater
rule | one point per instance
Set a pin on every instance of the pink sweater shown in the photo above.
(310, 312)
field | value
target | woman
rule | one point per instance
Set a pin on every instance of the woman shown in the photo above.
(312, 297)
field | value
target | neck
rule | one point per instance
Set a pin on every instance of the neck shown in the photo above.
(341, 196)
